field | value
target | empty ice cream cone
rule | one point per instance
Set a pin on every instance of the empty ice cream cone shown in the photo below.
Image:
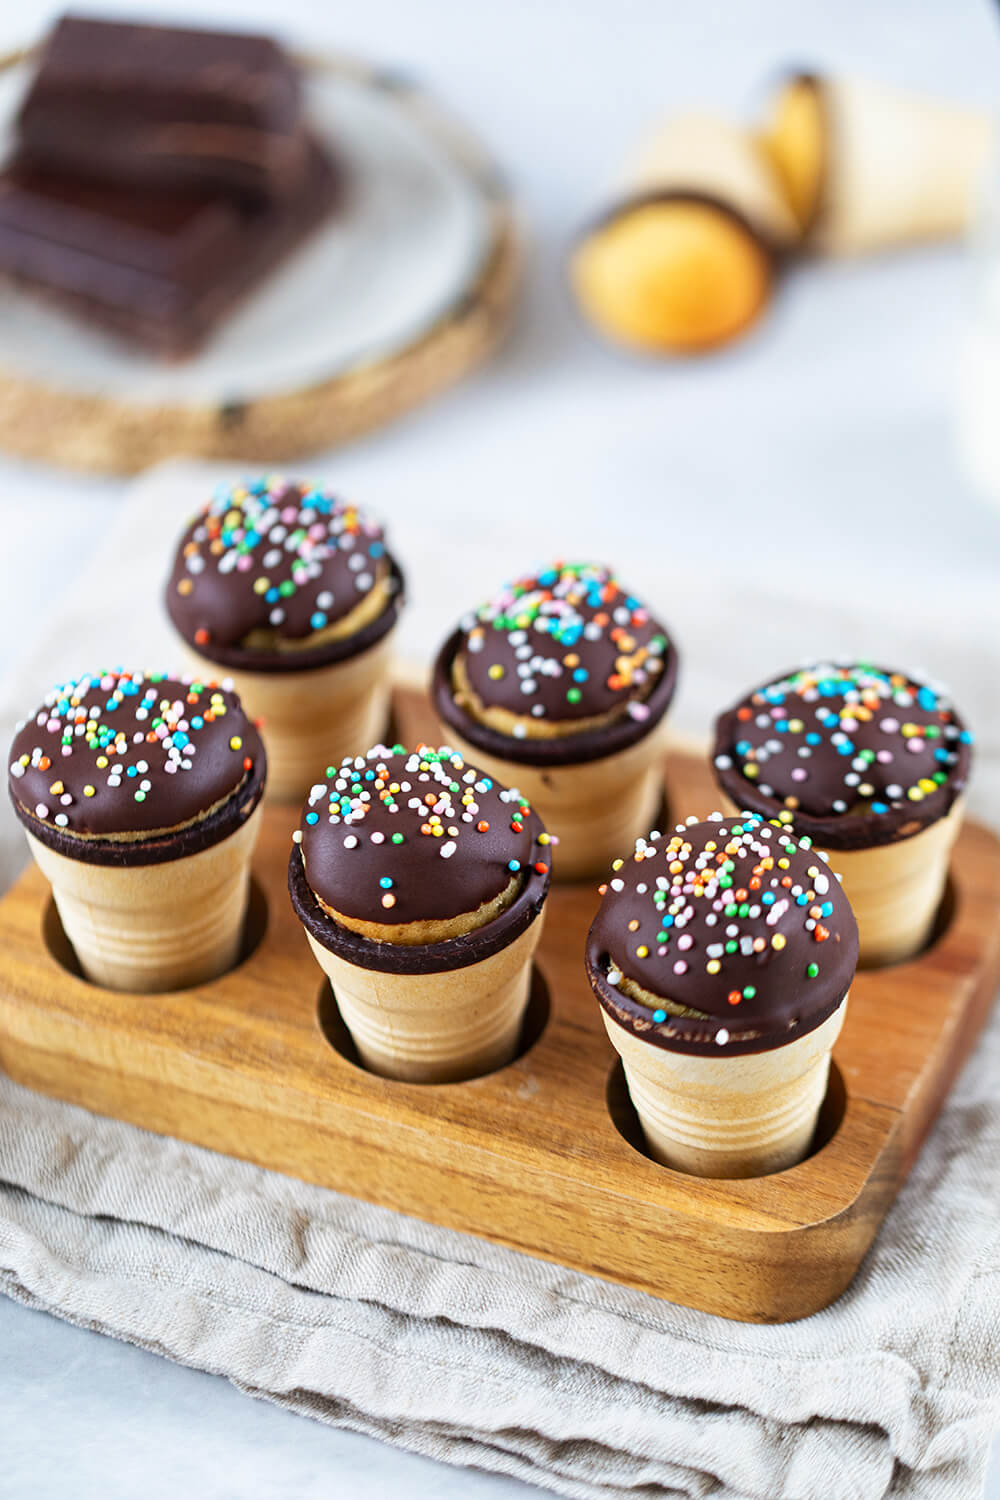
(684, 261)
(865, 166)
(290, 592)
(139, 795)
(722, 956)
(560, 684)
(870, 764)
(420, 882)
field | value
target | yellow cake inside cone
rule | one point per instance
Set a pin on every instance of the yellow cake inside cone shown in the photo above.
(684, 262)
(721, 955)
(672, 276)
(420, 881)
(795, 143)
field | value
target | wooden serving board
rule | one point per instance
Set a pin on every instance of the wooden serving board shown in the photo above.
(544, 1156)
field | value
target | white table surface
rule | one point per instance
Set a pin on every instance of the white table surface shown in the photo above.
(841, 404)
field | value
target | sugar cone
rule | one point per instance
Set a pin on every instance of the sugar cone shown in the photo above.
(596, 809)
(728, 1116)
(895, 890)
(441, 1027)
(684, 261)
(312, 719)
(146, 928)
(713, 159)
(894, 167)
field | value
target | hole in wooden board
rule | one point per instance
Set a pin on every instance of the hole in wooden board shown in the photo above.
(943, 919)
(61, 949)
(626, 1121)
(334, 1029)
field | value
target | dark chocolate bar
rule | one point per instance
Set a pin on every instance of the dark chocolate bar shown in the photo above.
(162, 105)
(159, 269)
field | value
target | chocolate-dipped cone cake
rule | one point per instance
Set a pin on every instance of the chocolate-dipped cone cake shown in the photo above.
(871, 764)
(560, 684)
(722, 956)
(139, 795)
(420, 883)
(292, 594)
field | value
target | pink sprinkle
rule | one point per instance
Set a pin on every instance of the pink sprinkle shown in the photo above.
(289, 513)
(244, 563)
(889, 726)
(680, 967)
(685, 942)
(884, 757)
(799, 774)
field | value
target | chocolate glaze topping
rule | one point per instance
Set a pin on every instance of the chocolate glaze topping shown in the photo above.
(565, 645)
(282, 557)
(856, 754)
(407, 836)
(128, 753)
(735, 918)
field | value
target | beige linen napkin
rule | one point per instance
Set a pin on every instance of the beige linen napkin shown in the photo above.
(476, 1355)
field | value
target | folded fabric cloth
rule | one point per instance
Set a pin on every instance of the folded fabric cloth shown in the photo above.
(477, 1355)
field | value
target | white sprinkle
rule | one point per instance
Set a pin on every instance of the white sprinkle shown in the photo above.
(448, 849)
(722, 1037)
(351, 841)
(614, 977)
(378, 838)
(617, 885)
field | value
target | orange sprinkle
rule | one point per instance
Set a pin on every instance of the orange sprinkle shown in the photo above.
(483, 827)
(821, 933)
(734, 997)
(201, 636)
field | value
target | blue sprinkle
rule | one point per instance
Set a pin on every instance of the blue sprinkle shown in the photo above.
(131, 771)
(667, 920)
(386, 883)
(768, 898)
(369, 775)
(781, 725)
(880, 807)
(312, 817)
(846, 749)
(580, 675)
(812, 738)
(927, 698)
(965, 737)
(487, 783)
(377, 549)
(272, 596)
(942, 755)
(513, 866)
(827, 908)
(197, 722)
(802, 900)
(659, 1015)
(317, 620)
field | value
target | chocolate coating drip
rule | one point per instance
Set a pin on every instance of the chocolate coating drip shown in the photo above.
(733, 918)
(857, 754)
(118, 756)
(283, 559)
(399, 836)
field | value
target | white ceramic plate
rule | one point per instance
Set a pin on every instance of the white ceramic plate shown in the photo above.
(409, 244)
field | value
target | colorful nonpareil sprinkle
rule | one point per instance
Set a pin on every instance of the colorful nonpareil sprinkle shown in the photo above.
(126, 738)
(286, 558)
(567, 643)
(411, 822)
(834, 740)
(726, 919)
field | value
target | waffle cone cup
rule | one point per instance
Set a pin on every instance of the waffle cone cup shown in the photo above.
(894, 167)
(596, 809)
(717, 161)
(896, 889)
(441, 1027)
(729, 1116)
(313, 718)
(146, 928)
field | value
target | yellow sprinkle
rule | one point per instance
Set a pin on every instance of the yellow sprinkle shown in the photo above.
(543, 838)
(927, 785)
(185, 586)
(616, 864)
(261, 585)
(56, 788)
(101, 762)
(642, 951)
(713, 966)
(915, 794)
(751, 771)
(778, 941)
(89, 791)
(235, 743)
(782, 864)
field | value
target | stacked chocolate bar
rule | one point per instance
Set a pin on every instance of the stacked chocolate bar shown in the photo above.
(158, 175)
